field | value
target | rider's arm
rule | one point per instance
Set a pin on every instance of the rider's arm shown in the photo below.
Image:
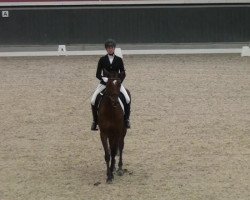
(122, 71)
(99, 71)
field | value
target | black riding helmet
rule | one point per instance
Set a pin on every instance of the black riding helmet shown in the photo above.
(110, 43)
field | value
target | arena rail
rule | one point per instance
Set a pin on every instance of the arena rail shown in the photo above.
(62, 51)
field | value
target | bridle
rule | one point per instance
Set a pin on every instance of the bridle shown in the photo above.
(113, 97)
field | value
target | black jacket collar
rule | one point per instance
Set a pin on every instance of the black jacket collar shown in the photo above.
(107, 57)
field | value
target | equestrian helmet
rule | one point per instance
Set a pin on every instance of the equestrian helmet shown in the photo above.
(110, 43)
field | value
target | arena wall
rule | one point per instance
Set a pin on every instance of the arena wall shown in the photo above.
(130, 23)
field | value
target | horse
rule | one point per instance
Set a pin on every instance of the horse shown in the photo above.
(111, 125)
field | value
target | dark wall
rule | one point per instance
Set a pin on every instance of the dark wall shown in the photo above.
(127, 24)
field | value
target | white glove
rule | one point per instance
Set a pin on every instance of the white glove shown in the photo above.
(105, 79)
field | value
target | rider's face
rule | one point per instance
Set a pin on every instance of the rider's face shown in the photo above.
(110, 50)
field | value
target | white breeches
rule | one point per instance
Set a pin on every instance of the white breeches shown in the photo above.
(101, 87)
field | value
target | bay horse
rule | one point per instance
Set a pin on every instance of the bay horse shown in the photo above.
(111, 124)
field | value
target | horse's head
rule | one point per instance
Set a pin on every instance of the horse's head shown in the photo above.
(113, 87)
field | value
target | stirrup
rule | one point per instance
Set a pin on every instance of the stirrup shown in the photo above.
(94, 126)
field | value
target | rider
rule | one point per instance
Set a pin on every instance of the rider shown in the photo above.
(110, 62)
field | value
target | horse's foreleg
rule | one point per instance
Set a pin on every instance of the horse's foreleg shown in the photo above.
(113, 148)
(107, 157)
(121, 146)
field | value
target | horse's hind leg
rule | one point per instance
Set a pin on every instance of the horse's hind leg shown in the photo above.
(107, 158)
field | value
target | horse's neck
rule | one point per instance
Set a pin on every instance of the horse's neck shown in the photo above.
(106, 101)
(106, 105)
(110, 116)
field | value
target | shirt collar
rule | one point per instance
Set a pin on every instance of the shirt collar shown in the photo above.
(111, 56)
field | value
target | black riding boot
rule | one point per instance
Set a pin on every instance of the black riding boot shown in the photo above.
(127, 115)
(95, 117)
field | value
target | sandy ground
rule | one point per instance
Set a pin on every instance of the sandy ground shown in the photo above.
(190, 136)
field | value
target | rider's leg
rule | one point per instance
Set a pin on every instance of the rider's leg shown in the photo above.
(124, 92)
(95, 118)
(127, 106)
(127, 115)
(99, 88)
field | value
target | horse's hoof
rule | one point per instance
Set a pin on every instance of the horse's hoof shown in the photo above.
(97, 183)
(109, 181)
(120, 172)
